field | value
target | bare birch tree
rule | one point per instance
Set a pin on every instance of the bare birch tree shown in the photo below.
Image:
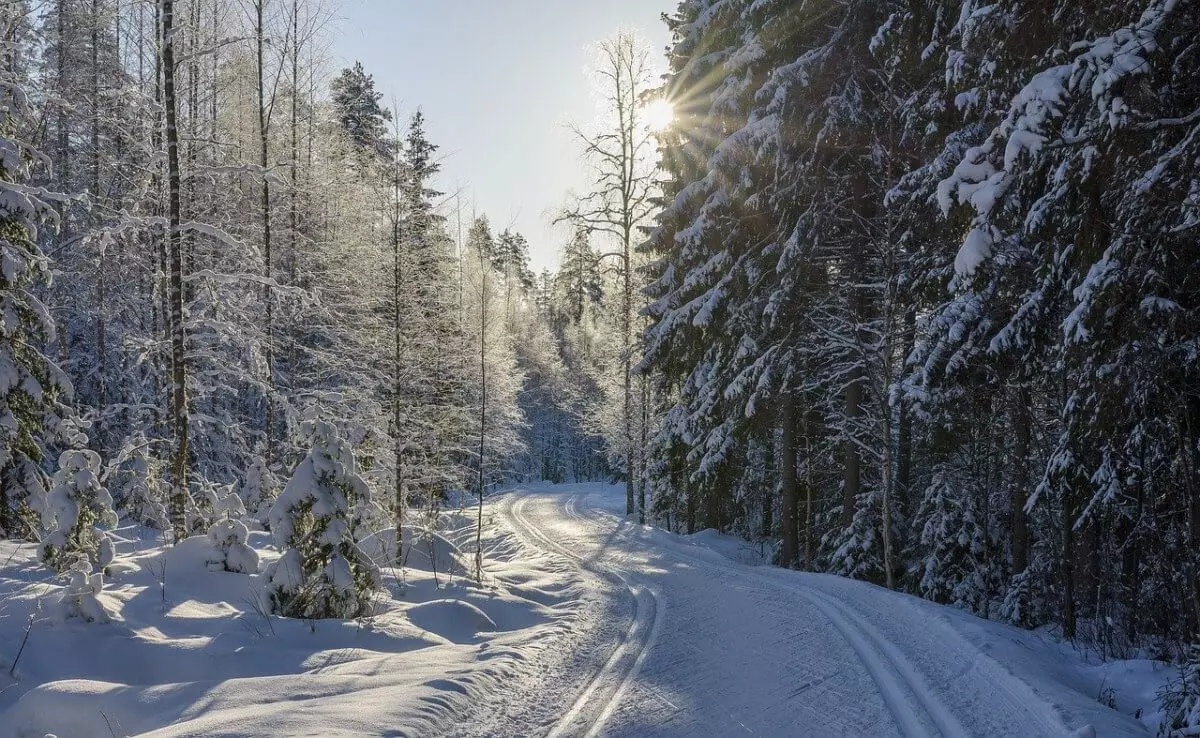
(621, 198)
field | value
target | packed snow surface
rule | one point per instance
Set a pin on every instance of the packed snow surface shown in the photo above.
(585, 624)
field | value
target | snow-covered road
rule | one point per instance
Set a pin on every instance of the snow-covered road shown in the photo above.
(584, 625)
(708, 646)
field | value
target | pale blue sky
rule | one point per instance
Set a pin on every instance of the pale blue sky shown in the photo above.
(497, 79)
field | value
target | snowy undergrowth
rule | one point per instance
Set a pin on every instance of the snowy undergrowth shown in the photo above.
(191, 650)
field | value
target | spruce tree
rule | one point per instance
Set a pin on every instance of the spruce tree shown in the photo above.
(322, 573)
(73, 513)
(33, 389)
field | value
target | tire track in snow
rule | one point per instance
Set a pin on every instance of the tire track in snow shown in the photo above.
(892, 671)
(893, 674)
(603, 692)
(1001, 682)
(656, 627)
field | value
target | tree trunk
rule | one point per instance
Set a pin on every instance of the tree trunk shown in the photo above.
(482, 411)
(851, 475)
(809, 491)
(767, 513)
(400, 483)
(1022, 422)
(259, 7)
(904, 451)
(179, 410)
(293, 192)
(789, 551)
(627, 351)
(889, 573)
(642, 451)
(101, 287)
(1067, 563)
(690, 510)
(1191, 440)
(63, 124)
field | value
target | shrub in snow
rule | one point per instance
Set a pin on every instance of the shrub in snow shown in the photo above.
(323, 573)
(423, 549)
(201, 506)
(259, 490)
(141, 492)
(1180, 699)
(228, 538)
(228, 505)
(210, 503)
(80, 599)
(71, 512)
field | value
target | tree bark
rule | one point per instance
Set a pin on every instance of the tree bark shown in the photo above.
(482, 411)
(259, 7)
(789, 551)
(851, 474)
(293, 192)
(641, 505)
(1067, 563)
(179, 409)
(1022, 422)
(101, 286)
(809, 491)
(767, 512)
(627, 351)
(399, 481)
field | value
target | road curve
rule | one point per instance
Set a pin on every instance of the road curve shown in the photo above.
(603, 691)
(753, 650)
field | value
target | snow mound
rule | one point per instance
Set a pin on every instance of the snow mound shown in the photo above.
(189, 555)
(424, 550)
(454, 620)
(731, 547)
(79, 708)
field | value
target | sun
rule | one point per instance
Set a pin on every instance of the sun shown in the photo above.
(659, 115)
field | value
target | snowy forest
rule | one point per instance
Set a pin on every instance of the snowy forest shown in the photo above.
(897, 290)
(217, 246)
(921, 301)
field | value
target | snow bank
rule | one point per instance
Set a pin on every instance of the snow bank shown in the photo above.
(454, 620)
(189, 650)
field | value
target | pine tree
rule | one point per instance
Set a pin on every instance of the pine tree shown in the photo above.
(577, 282)
(259, 489)
(953, 545)
(359, 112)
(140, 492)
(983, 420)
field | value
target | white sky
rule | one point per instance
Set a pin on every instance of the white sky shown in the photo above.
(497, 80)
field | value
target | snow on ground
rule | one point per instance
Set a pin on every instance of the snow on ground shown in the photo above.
(199, 656)
(586, 624)
(755, 649)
